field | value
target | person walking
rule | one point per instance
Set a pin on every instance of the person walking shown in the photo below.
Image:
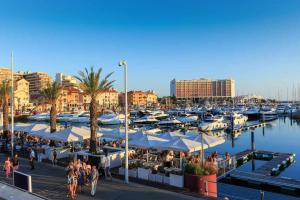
(71, 184)
(107, 167)
(7, 166)
(15, 163)
(81, 180)
(102, 166)
(94, 179)
(39, 153)
(54, 157)
(31, 159)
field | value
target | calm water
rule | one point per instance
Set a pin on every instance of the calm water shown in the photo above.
(282, 135)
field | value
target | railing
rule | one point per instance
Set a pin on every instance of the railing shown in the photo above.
(225, 166)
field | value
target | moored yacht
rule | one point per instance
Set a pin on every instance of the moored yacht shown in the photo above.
(268, 114)
(212, 123)
(111, 119)
(252, 113)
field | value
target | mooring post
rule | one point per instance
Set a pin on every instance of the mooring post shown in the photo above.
(252, 140)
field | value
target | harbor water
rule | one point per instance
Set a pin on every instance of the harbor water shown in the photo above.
(281, 135)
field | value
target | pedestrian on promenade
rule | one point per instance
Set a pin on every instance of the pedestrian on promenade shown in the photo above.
(81, 180)
(39, 153)
(102, 166)
(94, 180)
(107, 167)
(71, 184)
(16, 162)
(76, 176)
(54, 157)
(31, 159)
(7, 166)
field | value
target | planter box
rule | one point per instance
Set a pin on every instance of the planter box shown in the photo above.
(159, 178)
(143, 173)
(166, 180)
(121, 171)
(205, 185)
(132, 173)
(152, 177)
(176, 180)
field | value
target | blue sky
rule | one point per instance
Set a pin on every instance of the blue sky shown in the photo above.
(255, 42)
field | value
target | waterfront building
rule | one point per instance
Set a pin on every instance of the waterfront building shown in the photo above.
(202, 89)
(106, 99)
(138, 98)
(71, 100)
(21, 95)
(66, 81)
(249, 99)
(37, 82)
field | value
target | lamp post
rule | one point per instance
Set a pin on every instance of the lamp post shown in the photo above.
(12, 110)
(123, 63)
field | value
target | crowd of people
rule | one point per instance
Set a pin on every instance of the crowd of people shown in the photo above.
(81, 174)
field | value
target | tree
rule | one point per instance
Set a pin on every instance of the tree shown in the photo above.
(5, 90)
(92, 84)
(51, 94)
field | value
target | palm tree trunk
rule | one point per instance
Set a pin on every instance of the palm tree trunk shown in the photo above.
(53, 113)
(5, 116)
(93, 121)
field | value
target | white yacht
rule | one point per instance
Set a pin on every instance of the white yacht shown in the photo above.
(81, 118)
(268, 114)
(145, 120)
(212, 123)
(282, 109)
(252, 113)
(169, 122)
(237, 119)
(111, 119)
(40, 117)
(188, 118)
(65, 117)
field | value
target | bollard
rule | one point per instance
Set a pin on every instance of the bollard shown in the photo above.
(262, 195)
(252, 140)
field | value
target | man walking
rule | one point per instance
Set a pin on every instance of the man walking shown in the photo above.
(54, 157)
(94, 179)
(31, 158)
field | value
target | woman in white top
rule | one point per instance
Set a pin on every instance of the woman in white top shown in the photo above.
(107, 166)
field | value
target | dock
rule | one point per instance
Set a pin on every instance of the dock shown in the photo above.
(247, 127)
(276, 162)
(266, 176)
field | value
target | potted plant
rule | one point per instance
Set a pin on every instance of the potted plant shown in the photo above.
(143, 172)
(176, 178)
(201, 179)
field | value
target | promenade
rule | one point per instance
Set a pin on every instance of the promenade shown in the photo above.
(50, 182)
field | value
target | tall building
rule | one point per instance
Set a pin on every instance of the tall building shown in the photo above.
(37, 82)
(202, 88)
(5, 74)
(66, 81)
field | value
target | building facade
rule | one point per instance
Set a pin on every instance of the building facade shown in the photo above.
(21, 95)
(37, 82)
(202, 88)
(71, 100)
(106, 99)
(138, 98)
(66, 81)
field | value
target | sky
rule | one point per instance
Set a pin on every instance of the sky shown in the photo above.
(254, 42)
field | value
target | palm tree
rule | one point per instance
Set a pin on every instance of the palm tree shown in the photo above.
(51, 94)
(5, 94)
(92, 84)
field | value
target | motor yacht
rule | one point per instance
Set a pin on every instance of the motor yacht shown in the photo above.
(212, 123)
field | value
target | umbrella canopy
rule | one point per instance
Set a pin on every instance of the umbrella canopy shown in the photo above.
(147, 142)
(183, 145)
(73, 134)
(115, 133)
(210, 141)
(170, 135)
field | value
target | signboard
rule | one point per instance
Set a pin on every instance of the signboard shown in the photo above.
(23, 181)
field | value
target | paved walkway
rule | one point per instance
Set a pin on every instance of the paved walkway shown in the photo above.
(12, 193)
(50, 182)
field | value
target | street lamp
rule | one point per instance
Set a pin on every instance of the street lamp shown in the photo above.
(123, 63)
